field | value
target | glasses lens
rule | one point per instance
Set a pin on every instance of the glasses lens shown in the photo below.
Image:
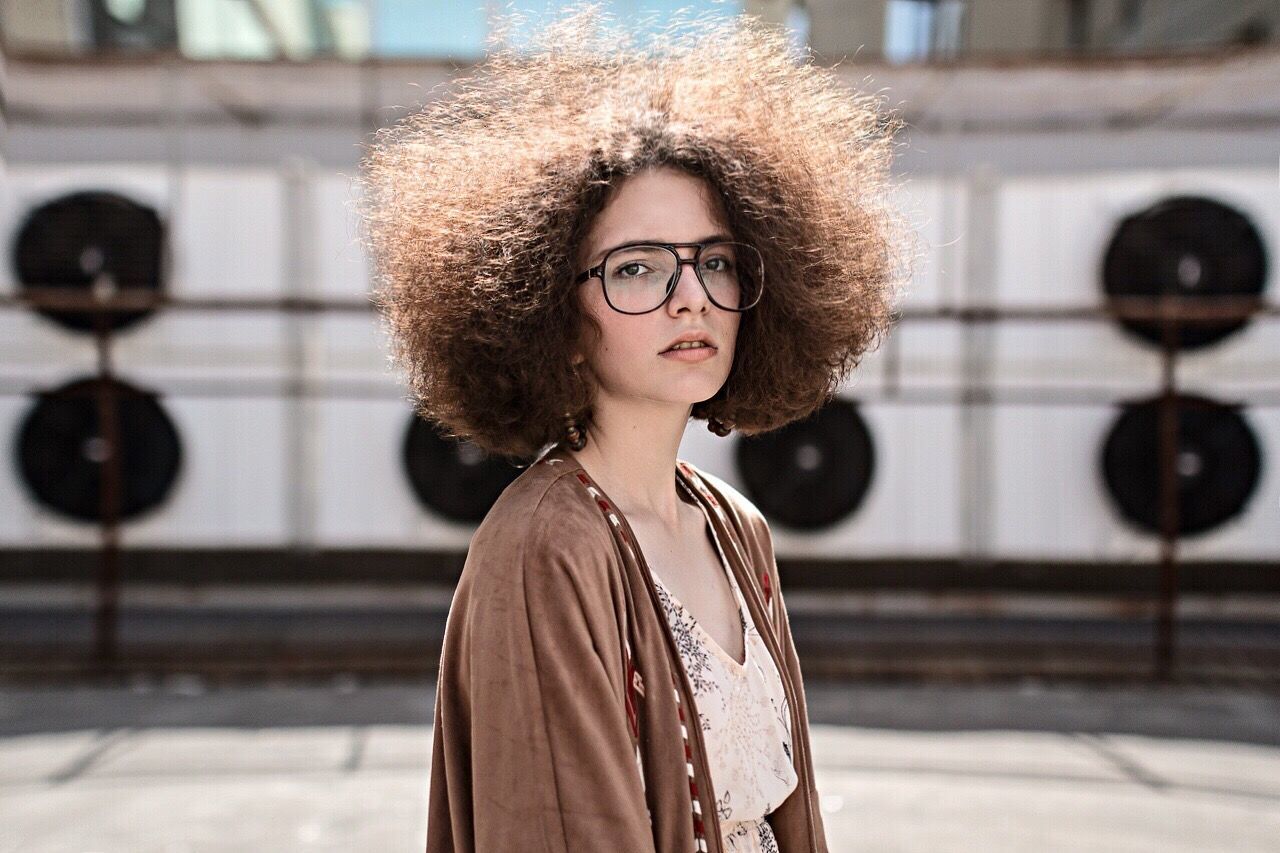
(636, 277)
(733, 273)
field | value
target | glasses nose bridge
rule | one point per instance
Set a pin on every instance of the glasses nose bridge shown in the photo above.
(680, 264)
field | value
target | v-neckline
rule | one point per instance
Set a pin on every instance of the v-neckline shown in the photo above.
(738, 668)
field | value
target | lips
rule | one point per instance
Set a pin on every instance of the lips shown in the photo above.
(691, 337)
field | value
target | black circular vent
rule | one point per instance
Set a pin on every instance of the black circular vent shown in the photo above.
(61, 449)
(93, 243)
(1189, 247)
(137, 26)
(1218, 462)
(451, 477)
(811, 473)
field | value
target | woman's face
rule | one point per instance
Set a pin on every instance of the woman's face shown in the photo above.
(663, 205)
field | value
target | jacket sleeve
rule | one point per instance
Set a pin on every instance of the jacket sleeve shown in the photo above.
(532, 749)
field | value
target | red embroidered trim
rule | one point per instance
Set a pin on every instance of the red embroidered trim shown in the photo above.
(697, 481)
(699, 831)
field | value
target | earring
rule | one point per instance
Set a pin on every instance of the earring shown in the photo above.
(718, 426)
(574, 434)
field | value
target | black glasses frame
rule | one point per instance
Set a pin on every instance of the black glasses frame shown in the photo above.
(598, 272)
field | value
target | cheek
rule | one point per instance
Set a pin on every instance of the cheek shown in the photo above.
(627, 343)
(610, 346)
(592, 308)
(731, 331)
(622, 342)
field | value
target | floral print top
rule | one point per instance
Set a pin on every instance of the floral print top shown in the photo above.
(745, 719)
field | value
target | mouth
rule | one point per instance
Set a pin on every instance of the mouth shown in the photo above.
(698, 352)
(688, 345)
(690, 339)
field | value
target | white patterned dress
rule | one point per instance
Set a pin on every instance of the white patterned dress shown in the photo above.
(745, 720)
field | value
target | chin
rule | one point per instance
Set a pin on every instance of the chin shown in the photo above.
(702, 391)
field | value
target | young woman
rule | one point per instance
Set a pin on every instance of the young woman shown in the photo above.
(618, 671)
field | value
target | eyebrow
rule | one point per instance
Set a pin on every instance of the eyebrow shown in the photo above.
(599, 255)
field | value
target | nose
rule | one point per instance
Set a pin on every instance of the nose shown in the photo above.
(688, 290)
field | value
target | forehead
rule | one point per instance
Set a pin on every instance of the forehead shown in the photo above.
(664, 205)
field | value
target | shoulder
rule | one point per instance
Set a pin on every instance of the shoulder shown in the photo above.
(544, 521)
(539, 583)
(753, 530)
(737, 506)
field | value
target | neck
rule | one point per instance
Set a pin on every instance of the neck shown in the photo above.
(631, 452)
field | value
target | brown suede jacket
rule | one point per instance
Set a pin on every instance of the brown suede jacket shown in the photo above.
(561, 701)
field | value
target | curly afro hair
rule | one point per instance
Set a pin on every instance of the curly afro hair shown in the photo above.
(474, 208)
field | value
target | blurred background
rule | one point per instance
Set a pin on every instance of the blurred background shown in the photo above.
(1049, 504)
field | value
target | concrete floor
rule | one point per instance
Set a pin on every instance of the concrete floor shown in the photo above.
(182, 766)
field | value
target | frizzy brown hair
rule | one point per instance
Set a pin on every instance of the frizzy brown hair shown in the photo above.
(474, 209)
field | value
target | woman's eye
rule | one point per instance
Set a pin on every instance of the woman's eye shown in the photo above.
(622, 269)
(727, 264)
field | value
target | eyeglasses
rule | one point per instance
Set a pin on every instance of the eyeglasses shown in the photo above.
(640, 277)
